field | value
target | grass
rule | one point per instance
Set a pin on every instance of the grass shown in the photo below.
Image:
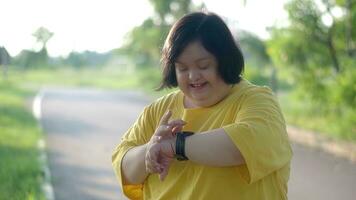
(20, 174)
(304, 114)
(145, 79)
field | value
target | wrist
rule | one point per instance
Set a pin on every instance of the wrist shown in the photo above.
(180, 145)
(145, 147)
(173, 145)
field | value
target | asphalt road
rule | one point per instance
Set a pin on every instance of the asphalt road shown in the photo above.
(83, 126)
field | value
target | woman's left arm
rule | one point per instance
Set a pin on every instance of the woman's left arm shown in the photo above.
(213, 148)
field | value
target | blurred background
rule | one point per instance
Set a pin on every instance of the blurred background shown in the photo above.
(305, 50)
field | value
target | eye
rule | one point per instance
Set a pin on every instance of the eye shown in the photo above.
(181, 68)
(204, 64)
(204, 67)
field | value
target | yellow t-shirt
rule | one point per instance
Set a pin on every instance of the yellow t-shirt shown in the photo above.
(252, 118)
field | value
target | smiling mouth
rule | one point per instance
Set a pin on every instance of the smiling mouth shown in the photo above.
(197, 85)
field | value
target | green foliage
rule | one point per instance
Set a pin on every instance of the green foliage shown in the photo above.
(30, 59)
(319, 62)
(4, 56)
(259, 67)
(144, 42)
(258, 76)
(254, 50)
(20, 174)
(42, 36)
(85, 59)
(168, 10)
(35, 59)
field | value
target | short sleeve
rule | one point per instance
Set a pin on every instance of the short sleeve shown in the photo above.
(138, 134)
(259, 132)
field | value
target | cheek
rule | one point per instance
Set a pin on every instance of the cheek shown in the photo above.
(211, 76)
(181, 78)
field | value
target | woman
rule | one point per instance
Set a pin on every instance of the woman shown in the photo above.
(227, 139)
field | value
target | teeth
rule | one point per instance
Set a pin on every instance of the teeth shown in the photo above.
(197, 85)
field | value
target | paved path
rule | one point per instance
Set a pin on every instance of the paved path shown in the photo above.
(316, 175)
(83, 127)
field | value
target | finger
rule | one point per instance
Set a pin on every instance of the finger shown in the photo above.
(163, 175)
(165, 163)
(155, 166)
(152, 168)
(165, 170)
(156, 138)
(149, 166)
(177, 126)
(177, 129)
(163, 130)
(152, 159)
(165, 118)
(177, 122)
(165, 137)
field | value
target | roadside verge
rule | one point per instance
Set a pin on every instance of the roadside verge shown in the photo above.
(46, 185)
(337, 148)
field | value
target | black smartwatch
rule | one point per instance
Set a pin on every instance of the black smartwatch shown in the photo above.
(180, 145)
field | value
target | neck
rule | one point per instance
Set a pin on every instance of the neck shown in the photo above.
(191, 103)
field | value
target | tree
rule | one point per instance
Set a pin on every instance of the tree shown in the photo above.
(30, 59)
(4, 61)
(260, 68)
(170, 10)
(144, 42)
(317, 50)
(254, 49)
(313, 47)
(42, 35)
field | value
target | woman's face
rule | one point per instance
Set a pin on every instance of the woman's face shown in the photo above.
(198, 78)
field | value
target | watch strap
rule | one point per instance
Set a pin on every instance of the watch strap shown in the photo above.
(180, 145)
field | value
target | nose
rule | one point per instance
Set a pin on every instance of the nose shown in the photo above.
(194, 75)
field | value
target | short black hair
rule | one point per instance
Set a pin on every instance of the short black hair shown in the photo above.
(216, 38)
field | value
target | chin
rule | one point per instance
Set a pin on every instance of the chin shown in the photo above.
(199, 98)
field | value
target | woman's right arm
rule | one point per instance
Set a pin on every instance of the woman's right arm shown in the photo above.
(133, 166)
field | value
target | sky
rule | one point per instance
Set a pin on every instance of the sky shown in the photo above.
(101, 25)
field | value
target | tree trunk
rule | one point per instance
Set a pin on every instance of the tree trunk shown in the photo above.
(3, 62)
(332, 51)
(348, 29)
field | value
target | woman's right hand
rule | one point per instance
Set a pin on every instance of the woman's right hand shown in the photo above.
(160, 149)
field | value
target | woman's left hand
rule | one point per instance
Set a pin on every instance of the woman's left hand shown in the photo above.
(161, 149)
(163, 153)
